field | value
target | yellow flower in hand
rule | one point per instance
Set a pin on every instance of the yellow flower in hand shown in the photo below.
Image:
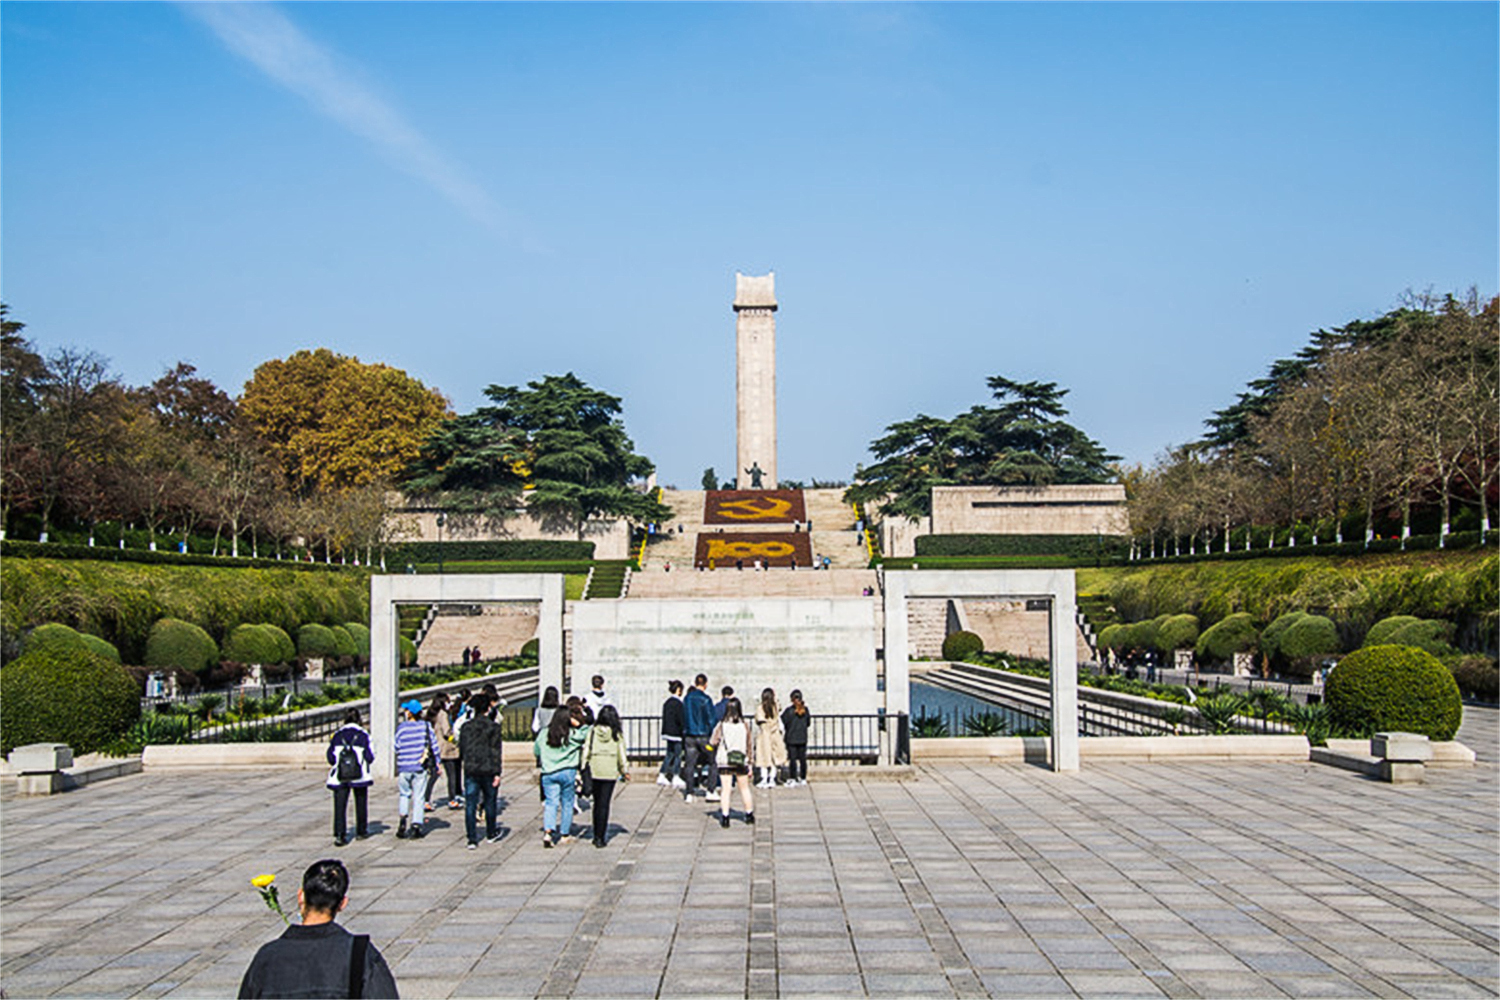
(265, 884)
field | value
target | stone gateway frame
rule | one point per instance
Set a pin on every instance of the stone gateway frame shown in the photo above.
(386, 592)
(1055, 586)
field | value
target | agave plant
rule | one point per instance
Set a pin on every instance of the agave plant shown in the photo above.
(926, 726)
(1310, 720)
(1174, 717)
(1218, 713)
(985, 724)
(207, 703)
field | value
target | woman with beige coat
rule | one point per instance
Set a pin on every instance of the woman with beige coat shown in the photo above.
(770, 739)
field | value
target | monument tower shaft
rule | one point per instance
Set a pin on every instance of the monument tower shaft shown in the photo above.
(755, 378)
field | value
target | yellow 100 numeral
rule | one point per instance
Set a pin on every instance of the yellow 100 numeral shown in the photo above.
(718, 549)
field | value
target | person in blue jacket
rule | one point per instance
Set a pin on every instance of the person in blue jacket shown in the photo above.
(697, 723)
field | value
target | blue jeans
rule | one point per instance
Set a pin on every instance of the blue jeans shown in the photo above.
(557, 813)
(672, 762)
(476, 785)
(411, 791)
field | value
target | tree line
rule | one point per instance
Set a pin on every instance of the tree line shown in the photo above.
(1371, 428)
(304, 460)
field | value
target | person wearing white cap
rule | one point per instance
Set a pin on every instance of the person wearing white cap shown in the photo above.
(415, 741)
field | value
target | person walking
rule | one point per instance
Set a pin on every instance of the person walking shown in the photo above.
(350, 754)
(604, 756)
(734, 746)
(434, 763)
(671, 734)
(318, 958)
(415, 742)
(558, 748)
(448, 752)
(770, 743)
(794, 728)
(480, 744)
(697, 724)
(540, 718)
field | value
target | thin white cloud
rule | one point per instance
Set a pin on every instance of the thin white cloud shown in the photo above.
(263, 36)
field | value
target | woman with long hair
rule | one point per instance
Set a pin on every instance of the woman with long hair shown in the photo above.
(794, 724)
(558, 748)
(443, 723)
(734, 751)
(543, 714)
(604, 756)
(770, 747)
(436, 709)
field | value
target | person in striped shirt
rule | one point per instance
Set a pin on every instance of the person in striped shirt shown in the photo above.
(415, 740)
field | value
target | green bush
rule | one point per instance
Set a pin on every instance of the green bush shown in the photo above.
(360, 633)
(1307, 640)
(316, 641)
(1394, 689)
(176, 643)
(252, 644)
(58, 637)
(1478, 677)
(1270, 636)
(1082, 547)
(286, 650)
(1427, 634)
(1234, 634)
(343, 642)
(1113, 637)
(1177, 632)
(531, 649)
(962, 645)
(408, 652)
(516, 550)
(1143, 635)
(65, 696)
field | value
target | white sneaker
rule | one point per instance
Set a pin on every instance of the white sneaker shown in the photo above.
(661, 779)
(679, 784)
(712, 796)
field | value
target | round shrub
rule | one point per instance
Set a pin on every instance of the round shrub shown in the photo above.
(56, 637)
(286, 650)
(73, 697)
(360, 633)
(1142, 635)
(343, 642)
(1177, 632)
(962, 645)
(1394, 689)
(531, 649)
(1428, 634)
(408, 652)
(316, 641)
(1478, 677)
(251, 644)
(1381, 632)
(1308, 639)
(1232, 634)
(175, 643)
(1270, 636)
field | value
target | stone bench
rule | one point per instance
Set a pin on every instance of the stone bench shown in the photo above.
(49, 768)
(1400, 758)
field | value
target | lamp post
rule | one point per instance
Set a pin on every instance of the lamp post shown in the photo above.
(441, 519)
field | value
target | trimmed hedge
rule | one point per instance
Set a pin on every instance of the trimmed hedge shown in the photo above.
(253, 644)
(1381, 632)
(360, 633)
(962, 645)
(1177, 632)
(1478, 677)
(1270, 636)
(408, 652)
(316, 641)
(343, 642)
(176, 643)
(1083, 547)
(514, 550)
(1405, 630)
(59, 637)
(1394, 689)
(65, 696)
(1308, 637)
(55, 550)
(1235, 633)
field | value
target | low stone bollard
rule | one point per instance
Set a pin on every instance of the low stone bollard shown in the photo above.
(1403, 756)
(39, 767)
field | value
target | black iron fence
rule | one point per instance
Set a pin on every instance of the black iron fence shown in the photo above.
(829, 738)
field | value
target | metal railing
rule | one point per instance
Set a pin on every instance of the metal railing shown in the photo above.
(829, 738)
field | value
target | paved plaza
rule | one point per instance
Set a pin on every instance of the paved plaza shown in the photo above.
(1211, 879)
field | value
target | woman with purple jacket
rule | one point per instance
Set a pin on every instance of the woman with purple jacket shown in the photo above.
(362, 754)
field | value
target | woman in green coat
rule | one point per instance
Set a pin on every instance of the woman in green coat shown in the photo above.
(604, 756)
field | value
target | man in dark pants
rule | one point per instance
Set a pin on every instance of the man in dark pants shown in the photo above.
(318, 958)
(697, 725)
(479, 744)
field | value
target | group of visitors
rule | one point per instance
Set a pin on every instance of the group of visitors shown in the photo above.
(472, 657)
(580, 752)
(697, 730)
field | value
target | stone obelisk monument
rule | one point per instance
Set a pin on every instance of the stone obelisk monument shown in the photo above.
(755, 380)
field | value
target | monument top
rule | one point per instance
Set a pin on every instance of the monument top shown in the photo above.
(752, 292)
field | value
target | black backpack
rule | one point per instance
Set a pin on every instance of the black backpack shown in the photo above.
(348, 768)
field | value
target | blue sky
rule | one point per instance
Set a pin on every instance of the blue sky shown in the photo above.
(1144, 203)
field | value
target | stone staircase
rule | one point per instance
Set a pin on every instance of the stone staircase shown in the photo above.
(656, 583)
(497, 629)
(1006, 625)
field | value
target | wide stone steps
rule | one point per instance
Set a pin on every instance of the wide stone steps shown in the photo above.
(683, 583)
(499, 630)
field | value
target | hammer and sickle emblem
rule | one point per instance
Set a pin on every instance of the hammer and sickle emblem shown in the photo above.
(755, 509)
(718, 549)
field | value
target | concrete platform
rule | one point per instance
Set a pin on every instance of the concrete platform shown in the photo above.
(1181, 879)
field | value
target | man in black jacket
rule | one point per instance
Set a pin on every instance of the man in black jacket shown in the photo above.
(479, 744)
(318, 958)
(671, 734)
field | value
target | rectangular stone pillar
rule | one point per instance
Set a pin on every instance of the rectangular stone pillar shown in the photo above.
(755, 379)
